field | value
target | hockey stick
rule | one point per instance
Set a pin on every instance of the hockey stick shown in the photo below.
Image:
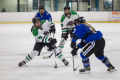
(46, 57)
(55, 54)
(74, 69)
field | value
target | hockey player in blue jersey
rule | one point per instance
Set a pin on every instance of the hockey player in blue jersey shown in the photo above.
(91, 42)
(43, 14)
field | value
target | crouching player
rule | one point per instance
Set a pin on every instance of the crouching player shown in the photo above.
(41, 31)
(91, 42)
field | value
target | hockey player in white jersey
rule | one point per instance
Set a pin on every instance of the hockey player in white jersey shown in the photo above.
(41, 31)
(67, 20)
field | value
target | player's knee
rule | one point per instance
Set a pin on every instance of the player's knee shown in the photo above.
(105, 60)
(85, 60)
(51, 48)
(101, 58)
(82, 56)
(33, 54)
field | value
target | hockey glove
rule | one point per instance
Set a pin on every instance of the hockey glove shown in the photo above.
(52, 29)
(65, 36)
(70, 23)
(52, 41)
(71, 32)
(73, 44)
(45, 33)
(74, 51)
(75, 22)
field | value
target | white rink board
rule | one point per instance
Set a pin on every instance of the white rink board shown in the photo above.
(16, 41)
(56, 16)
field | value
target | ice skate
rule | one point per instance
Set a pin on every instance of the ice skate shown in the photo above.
(65, 62)
(21, 63)
(84, 70)
(111, 68)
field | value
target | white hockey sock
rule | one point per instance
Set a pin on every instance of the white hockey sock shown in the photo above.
(62, 44)
(30, 56)
(58, 53)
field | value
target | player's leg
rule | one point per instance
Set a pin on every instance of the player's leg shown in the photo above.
(62, 43)
(58, 54)
(86, 52)
(86, 64)
(100, 55)
(105, 61)
(91, 48)
(36, 52)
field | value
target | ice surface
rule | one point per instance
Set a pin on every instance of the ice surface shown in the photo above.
(16, 41)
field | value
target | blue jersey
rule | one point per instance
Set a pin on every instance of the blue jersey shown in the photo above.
(84, 32)
(45, 16)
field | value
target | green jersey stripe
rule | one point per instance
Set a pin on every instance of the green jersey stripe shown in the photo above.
(46, 39)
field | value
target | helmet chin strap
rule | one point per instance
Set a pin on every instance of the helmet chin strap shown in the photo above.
(38, 26)
(67, 14)
(41, 13)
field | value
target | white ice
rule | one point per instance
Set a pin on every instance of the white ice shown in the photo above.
(16, 41)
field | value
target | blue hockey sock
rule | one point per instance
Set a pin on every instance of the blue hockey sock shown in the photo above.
(105, 60)
(85, 60)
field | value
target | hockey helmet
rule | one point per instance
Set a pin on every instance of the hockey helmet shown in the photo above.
(67, 8)
(41, 7)
(35, 19)
(79, 20)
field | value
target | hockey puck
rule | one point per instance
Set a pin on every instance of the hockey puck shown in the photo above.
(55, 66)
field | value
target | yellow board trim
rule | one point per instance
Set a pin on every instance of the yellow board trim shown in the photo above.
(59, 22)
(13, 22)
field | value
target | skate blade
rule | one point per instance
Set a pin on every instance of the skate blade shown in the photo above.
(22, 66)
(86, 72)
(113, 70)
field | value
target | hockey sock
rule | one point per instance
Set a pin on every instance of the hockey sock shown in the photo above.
(85, 60)
(30, 56)
(105, 60)
(59, 54)
(61, 44)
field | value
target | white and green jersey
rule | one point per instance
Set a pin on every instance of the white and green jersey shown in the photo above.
(65, 20)
(39, 33)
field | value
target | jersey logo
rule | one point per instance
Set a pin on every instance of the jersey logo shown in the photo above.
(36, 15)
(50, 18)
(40, 37)
(47, 13)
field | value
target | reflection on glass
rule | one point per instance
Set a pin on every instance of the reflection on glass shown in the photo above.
(116, 6)
(58, 5)
(4, 7)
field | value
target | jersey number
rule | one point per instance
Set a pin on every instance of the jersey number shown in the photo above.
(74, 30)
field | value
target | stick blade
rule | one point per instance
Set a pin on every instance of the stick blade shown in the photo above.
(45, 57)
(76, 68)
(55, 66)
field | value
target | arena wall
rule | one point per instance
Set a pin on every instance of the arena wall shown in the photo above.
(56, 16)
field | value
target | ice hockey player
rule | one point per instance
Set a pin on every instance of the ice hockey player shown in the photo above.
(43, 14)
(91, 42)
(67, 20)
(41, 31)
